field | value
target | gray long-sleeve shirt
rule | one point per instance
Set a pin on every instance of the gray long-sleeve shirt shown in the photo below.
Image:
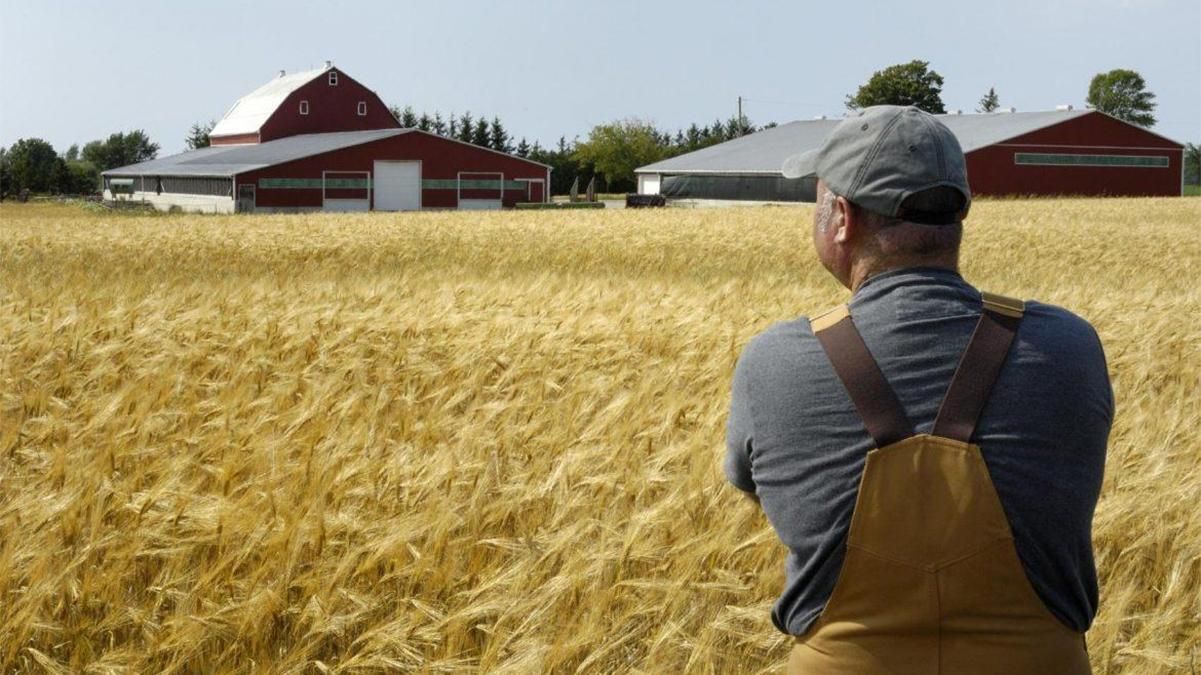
(795, 440)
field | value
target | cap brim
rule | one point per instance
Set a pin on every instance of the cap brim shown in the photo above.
(800, 165)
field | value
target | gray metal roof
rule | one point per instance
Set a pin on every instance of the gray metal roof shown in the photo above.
(227, 160)
(765, 151)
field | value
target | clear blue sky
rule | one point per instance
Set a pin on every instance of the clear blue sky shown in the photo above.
(76, 71)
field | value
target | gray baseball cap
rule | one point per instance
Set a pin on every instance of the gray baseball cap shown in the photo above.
(884, 154)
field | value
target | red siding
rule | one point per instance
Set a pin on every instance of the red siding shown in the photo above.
(1095, 129)
(992, 170)
(440, 158)
(331, 108)
(234, 139)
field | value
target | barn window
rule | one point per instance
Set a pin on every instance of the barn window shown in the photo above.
(304, 107)
(362, 108)
(1048, 159)
(333, 78)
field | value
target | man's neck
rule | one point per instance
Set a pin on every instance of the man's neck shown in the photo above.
(864, 269)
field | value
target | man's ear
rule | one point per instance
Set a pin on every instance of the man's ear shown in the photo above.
(846, 220)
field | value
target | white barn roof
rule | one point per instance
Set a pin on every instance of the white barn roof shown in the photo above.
(252, 110)
(764, 152)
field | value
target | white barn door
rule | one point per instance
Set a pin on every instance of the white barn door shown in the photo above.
(397, 186)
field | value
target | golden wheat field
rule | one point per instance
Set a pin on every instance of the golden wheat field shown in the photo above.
(463, 442)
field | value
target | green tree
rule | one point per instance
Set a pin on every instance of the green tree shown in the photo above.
(72, 153)
(120, 149)
(466, 127)
(198, 135)
(617, 148)
(564, 167)
(6, 187)
(1192, 164)
(34, 165)
(498, 136)
(989, 102)
(479, 134)
(1123, 94)
(425, 123)
(910, 83)
(408, 118)
(439, 125)
(523, 148)
(83, 178)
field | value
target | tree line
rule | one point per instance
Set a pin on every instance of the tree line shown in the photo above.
(32, 165)
(610, 152)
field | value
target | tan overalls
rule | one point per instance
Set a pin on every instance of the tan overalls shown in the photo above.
(932, 583)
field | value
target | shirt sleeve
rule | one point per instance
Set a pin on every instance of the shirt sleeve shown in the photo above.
(740, 431)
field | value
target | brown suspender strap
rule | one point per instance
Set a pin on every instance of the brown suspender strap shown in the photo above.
(978, 368)
(876, 402)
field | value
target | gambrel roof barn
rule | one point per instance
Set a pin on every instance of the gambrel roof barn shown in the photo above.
(319, 140)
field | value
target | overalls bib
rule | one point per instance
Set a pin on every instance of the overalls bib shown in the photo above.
(931, 583)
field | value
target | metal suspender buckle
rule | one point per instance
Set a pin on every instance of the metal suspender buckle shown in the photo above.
(828, 318)
(1003, 305)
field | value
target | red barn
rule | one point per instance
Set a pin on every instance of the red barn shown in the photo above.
(319, 140)
(1054, 152)
(310, 102)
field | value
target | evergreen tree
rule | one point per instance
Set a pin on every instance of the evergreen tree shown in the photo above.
(466, 127)
(498, 136)
(480, 135)
(439, 125)
(990, 102)
(453, 127)
(736, 127)
(523, 148)
(425, 123)
(198, 135)
(408, 118)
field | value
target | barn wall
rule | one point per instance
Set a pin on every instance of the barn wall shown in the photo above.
(1095, 129)
(441, 160)
(993, 170)
(234, 139)
(330, 109)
